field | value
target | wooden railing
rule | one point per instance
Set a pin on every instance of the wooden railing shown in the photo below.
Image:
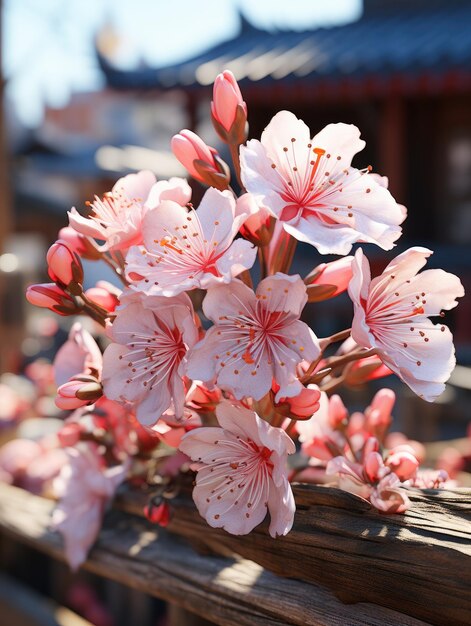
(394, 570)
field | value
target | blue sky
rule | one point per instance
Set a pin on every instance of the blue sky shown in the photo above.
(48, 44)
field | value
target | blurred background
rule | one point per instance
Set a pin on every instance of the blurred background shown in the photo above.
(93, 89)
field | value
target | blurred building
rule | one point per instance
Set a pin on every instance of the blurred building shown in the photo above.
(401, 73)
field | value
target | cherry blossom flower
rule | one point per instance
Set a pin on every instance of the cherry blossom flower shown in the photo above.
(78, 355)
(85, 486)
(242, 472)
(116, 218)
(257, 337)
(184, 249)
(145, 363)
(391, 315)
(371, 480)
(310, 185)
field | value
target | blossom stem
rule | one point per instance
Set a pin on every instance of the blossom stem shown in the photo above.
(116, 269)
(336, 363)
(234, 148)
(340, 336)
(263, 262)
(290, 428)
(246, 278)
(332, 385)
(288, 255)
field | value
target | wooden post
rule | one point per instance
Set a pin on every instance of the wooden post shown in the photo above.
(392, 145)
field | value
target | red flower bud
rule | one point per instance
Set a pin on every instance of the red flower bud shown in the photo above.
(305, 404)
(104, 295)
(159, 514)
(64, 265)
(50, 296)
(79, 244)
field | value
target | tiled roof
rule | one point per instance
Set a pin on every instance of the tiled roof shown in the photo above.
(409, 41)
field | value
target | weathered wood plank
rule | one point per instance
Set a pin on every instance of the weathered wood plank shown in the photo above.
(227, 591)
(418, 563)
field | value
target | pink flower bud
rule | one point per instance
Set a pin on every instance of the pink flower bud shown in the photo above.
(363, 370)
(78, 391)
(200, 160)
(66, 398)
(159, 514)
(338, 414)
(372, 466)
(69, 434)
(305, 404)
(203, 399)
(64, 266)
(228, 109)
(403, 463)
(103, 297)
(336, 274)
(50, 296)
(378, 414)
(79, 244)
(371, 445)
(258, 226)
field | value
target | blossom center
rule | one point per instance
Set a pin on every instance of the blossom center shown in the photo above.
(153, 357)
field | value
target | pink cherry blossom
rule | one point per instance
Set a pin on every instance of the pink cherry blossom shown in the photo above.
(116, 218)
(85, 486)
(257, 337)
(144, 364)
(184, 249)
(79, 355)
(372, 481)
(391, 315)
(188, 147)
(242, 472)
(310, 185)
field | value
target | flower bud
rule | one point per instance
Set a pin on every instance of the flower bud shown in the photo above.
(305, 404)
(378, 414)
(64, 265)
(329, 279)
(79, 244)
(203, 399)
(158, 514)
(66, 398)
(52, 297)
(103, 296)
(201, 161)
(228, 109)
(338, 414)
(363, 370)
(372, 466)
(258, 226)
(403, 463)
(69, 434)
(78, 391)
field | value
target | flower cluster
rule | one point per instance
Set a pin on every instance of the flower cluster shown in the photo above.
(205, 371)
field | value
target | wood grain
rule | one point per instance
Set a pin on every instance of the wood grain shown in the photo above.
(418, 563)
(227, 591)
